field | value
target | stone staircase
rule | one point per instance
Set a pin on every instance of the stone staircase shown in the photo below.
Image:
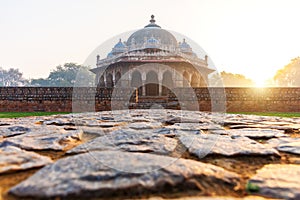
(153, 102)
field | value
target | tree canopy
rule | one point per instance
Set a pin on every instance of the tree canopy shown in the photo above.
(226, 79)
(289, 75)
(12, 77)
(66, 76)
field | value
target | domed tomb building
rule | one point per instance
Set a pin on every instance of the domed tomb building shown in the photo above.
(153, 62)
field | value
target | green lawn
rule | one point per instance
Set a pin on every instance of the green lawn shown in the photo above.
(27, 114)
(277, 114)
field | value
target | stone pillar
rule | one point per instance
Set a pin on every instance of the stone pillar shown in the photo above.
(97, 79)
(104, 76)
(144, 89)
(143, 83)
(160, 77)
(160, 88)
(114, 77)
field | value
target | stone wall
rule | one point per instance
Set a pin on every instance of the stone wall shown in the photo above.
(24, 99)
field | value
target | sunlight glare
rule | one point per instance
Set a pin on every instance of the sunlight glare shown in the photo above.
(260, 83)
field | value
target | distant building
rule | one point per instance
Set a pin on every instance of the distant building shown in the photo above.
(167, 63)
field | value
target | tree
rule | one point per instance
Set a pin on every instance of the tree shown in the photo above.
(39, 82)
(226, 79)
(289, 74)
(12, 77)
(66, 76)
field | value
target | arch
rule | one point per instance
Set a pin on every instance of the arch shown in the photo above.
(117, 77)
(136, 81)
(186, 79)
(152, 84)
(167, 82)
(101, 82)
(109, 80)
(195, 82)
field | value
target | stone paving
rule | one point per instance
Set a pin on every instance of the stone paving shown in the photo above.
(155, 154)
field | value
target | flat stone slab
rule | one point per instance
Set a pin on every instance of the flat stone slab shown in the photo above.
(98, 131)
(253, 133)
(195, 126)
(183, 118)
(59, 122)
(129, 140)
(108, 173)
(292, 147)
(278, 181)
(207, 144)
(237, 121)
(144, 125)
(286, 129)
(10, 131)
(44, 140)
(214, 198)
(289, 145)
(15, 159)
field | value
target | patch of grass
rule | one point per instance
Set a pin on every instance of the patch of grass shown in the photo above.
(276, 114)
(252, 188)
(27, 114)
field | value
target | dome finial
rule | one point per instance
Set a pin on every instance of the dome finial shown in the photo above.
(152, 23)
(152, 19)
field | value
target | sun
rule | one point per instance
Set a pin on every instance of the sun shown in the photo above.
(260, 83)
(259, 79)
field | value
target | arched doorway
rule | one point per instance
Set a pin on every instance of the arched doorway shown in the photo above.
(186, 79)
(101, 82)
(152, 85)
(136, 81)
(117, 77)
(109, 80)
(167, 83)
(195, 82)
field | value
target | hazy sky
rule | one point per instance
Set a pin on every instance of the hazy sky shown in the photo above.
(252, 37)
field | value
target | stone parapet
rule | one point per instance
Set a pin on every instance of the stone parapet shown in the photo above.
(50, 99)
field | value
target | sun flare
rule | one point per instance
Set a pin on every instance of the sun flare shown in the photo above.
(260, 83)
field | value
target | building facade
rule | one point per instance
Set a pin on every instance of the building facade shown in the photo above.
(152, 61)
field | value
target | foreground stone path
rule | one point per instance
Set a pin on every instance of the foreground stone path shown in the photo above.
(113, 172)
(151, 153)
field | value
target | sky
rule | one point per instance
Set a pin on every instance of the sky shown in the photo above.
(250, 37)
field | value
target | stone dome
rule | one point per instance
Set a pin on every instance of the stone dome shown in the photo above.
(152, 30)
(110, 55)
(185, 47)
(119, 47)
(152, 43)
